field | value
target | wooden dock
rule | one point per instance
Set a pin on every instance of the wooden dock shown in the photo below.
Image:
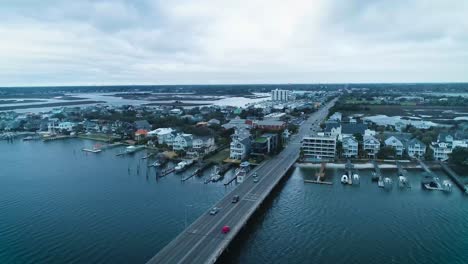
(320, 176)
(454, 177)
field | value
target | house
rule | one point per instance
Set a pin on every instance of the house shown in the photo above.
(446, 143)
(236, 123)
(271, 125)
(240, 145)
(142, 124)
(350, 147)
(265, 144)
(182, 142)
(351, 129)
(319, 147)
(396, 144)
(371, 146)
(164, 135)
(204, 144)
(214, 122)
(141, 134)
(176, 112)
(332, 129)
(337, 116)
(415, 148)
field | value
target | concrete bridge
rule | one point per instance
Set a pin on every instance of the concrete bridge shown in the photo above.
(203, 241)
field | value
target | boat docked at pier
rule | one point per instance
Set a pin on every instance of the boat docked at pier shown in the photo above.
(431, 182)
(215, 176)
(242, 171)
(182, 166)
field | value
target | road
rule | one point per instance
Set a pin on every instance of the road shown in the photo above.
(202, 241)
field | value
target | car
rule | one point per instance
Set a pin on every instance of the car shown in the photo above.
(235, 198)
(255, 180)
(214, 210)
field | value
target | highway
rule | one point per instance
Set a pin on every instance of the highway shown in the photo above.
(203, 241)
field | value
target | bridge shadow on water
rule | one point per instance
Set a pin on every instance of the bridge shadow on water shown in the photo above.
(232, 253)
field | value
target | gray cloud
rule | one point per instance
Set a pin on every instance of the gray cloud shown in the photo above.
(54, 42)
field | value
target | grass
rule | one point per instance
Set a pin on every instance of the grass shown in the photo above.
(220, 156)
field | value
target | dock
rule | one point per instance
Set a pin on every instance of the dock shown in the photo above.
(201, 169)
(320, 176)
(92, 150)
(166, 172)
(454, 177)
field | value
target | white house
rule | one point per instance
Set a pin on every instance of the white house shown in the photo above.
(350, 147)
(371, 145)
(446, 143)
(240, 145)
(396, 144)
(416, 148)
(182, 142)
(164, 135)
(203, 144)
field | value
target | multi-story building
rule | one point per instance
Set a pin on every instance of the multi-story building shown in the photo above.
(371, 146)
(416, 148)
(396, 144)
(164, 135)
(240, 145)
(203, 144)
(350, 147)
(182, 142)
(265, 144)
(319, 147)
(280, 95)
(446, 143)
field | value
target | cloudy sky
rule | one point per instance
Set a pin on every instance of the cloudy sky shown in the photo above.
(53, 42)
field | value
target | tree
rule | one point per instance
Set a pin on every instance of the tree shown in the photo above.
(429, 155)
(358, 137)
(459, 156)
(386, 152)
(339, 148)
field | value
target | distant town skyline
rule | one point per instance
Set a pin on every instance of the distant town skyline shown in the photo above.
(122, 42)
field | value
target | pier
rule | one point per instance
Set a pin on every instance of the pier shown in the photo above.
(204, 166)
(203, 241)
(320, 176)
(454, 177)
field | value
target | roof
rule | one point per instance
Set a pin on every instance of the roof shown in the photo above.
(261, 140)
(355, 128)
(330, 125)
(392, 141)
(142, 123)
(415, 141)
(350, 140)
(270, 123)
(141, 132)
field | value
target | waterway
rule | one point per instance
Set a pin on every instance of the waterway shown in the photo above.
(61, 205)
(309, 223)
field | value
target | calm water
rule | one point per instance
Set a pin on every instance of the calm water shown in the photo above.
(59, 205)
(308, 223)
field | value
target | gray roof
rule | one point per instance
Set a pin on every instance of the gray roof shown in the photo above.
(329, 126)
(415, 141)
(353, 128)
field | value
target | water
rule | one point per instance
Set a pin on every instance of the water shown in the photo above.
(309, 223)
(60, 205)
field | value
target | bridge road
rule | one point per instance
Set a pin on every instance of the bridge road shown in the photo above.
(202, 241)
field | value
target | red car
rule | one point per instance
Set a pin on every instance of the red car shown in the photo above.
(225, 229)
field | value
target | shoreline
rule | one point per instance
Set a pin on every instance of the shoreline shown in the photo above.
(384, 166)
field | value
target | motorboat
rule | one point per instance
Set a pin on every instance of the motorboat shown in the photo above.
(241, 172)
(344, 179)
(215, 176)
(356, 178)
(375, 177)
(180, 166)
(388, 183)
(430, 182)
(446, 186)
(403, 182)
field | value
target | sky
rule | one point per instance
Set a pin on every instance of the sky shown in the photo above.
(94, 42)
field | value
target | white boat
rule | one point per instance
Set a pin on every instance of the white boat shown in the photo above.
(215, 174)
(241, 172)
(446, 186)
(388, 183)
(344, 179)
(356, 178)
(180, 166)
(403, 182)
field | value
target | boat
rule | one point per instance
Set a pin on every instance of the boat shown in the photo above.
(95, 149)
(375, 177)
(344, 179)
(181, 166)
(430, 182)
(387, 182)
(241, 172)
(355, 178)
(403, 182)
(215, 174)
(446, 186)
(131, 149)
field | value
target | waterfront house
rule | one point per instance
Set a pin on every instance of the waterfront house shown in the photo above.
(182, 142)
(141, 134)
(237, 123)
(203, 145)
(446, 143)
(164, 135)
(416, 148)
(332, 129)
(350, 147)
(351, 129)
(240, 146)
(396, 144)
(371, 145)
(319, 147)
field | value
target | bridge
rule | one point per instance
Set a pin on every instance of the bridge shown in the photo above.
(203, 241)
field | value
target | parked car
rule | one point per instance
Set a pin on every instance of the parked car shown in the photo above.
(235, 198)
